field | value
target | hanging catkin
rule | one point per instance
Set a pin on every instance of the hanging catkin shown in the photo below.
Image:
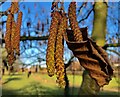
(18, 28)
(50, 61)
(60, 51)
(14, 7)
(11, 58)
(73, 22)
(8, 33)
(13, 35)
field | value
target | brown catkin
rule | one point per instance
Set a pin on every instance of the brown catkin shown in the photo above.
(50, 61)
(13, 35)
(8, 33)
(73, 22)
(14, 7)
(60, 51)
(17, 35)
(11, 58)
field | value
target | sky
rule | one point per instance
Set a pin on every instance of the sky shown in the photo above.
(38, 7)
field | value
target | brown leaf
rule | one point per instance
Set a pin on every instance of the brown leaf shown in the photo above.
(92, 58)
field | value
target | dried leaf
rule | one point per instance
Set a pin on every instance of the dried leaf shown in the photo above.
(92, 58)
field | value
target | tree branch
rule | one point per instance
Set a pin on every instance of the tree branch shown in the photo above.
(114, 18)
(86, 16)
(114, 51)
(69, 62)
(2, 23)
(111, 45)
(4, 13)
(3, 1)
(81, 6)
(24, 38)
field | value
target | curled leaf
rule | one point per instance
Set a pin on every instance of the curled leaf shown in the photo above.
(93, 58)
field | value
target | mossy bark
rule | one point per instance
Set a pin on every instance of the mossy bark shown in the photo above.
(89, 85)
(99, 23)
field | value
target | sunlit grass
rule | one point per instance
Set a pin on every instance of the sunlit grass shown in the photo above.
(40, 84)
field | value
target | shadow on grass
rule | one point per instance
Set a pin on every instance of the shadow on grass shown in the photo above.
(11, 79)
(16, 74)
(109, 93)
(8, 92)
(74, 91)
(37, 90)
(33, 90)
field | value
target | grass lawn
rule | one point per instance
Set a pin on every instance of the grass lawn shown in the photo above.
(42, 84)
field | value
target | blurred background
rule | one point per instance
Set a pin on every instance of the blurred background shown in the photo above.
(34, 34)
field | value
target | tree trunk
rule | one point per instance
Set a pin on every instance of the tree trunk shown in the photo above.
(66, 91)
(89, 85)
(99, 23)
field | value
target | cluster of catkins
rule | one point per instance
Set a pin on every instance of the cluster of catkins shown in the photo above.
(54, 55)
(12, 36)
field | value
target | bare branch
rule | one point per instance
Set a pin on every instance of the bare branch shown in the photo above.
(86, 16)
(111, 45)
(3, 1)
(114, 18)
(69, 62)
(114, 51)
(2, 23)
(4, 13)
(81, 7)
(24, 38)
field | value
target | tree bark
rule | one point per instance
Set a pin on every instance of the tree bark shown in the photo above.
(66, 90)
(89, 85)
(99, 23)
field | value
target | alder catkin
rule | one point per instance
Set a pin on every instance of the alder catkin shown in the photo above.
(60, 73)
(13, 35)
(8, 33)
(73, 22)
(50, 61)
(11, 58)
(17, 35)
(14, 7)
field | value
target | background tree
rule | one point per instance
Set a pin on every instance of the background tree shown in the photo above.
(35, 30)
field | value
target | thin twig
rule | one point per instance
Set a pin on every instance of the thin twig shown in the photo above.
(86, 16)
(3, 2)
(114, 51)
(81, 7)
(114, 18)
(4, 13)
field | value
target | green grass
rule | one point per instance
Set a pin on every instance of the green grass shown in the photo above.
(42, 84)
